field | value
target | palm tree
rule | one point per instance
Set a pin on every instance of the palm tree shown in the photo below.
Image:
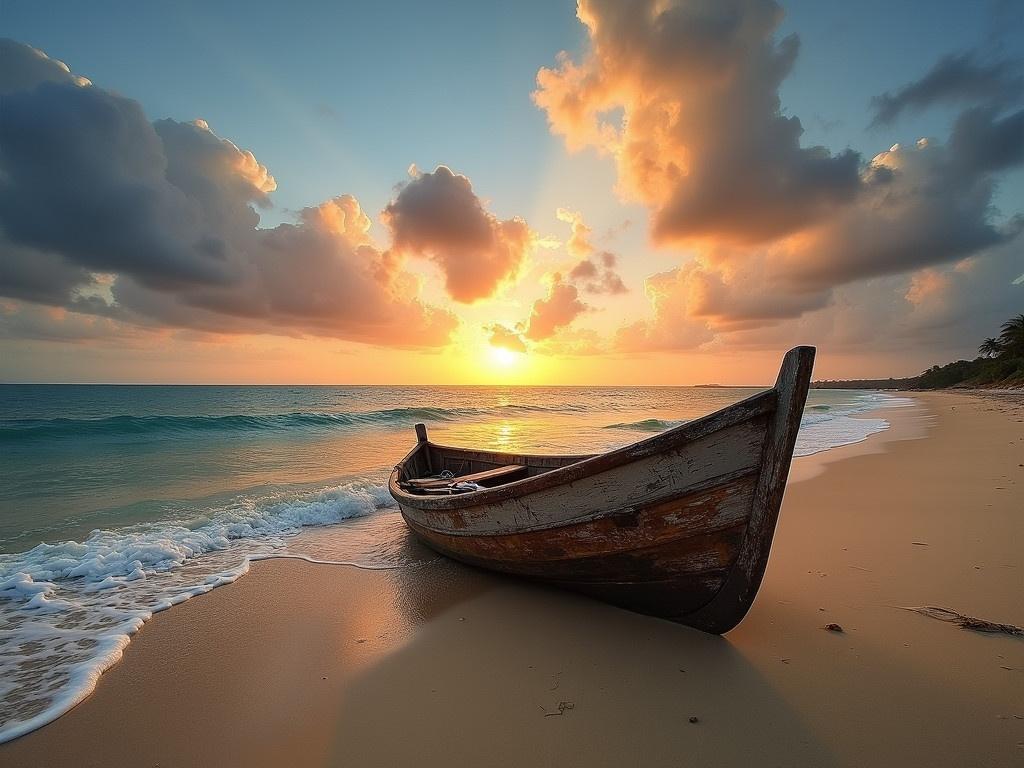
(1011, 338)
(990, 348)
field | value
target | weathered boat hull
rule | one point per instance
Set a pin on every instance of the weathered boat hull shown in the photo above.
(677, 526)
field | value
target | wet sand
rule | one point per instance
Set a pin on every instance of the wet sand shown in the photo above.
(301, 664)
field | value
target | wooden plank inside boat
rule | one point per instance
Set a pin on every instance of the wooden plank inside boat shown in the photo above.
(487, 477)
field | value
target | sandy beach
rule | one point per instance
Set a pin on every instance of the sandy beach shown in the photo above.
(309, 665)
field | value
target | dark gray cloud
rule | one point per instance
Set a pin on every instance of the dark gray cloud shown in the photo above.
(955, 79)
(84, 176)
(39, 323)
(932, 205)
(322, 276)
(26, 67)
(598, 275)
(983, 142)
(40, 276)
(103, 212)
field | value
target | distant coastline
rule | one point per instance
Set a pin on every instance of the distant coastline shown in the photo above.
(999, 365)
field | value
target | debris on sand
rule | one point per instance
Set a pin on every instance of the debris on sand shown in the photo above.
(563, 707)
(833, 627)
(694, 719)
(966, 622)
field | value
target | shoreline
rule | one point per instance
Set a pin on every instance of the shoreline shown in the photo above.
(912, 423)
(455, 622)
(83, 678)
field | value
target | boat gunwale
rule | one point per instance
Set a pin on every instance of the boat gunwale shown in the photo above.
(759, 404)
(626, 509)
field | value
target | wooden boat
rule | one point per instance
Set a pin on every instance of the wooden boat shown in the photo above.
(677, 526)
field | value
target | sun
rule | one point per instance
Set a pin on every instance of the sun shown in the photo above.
(504, 357)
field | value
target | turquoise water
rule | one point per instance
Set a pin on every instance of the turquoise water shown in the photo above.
(116, 501)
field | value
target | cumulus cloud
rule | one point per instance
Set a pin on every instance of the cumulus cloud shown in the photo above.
(38, 275)
(578, 244)
(322, 276)
(907, 321)
(683, 95)
(19, 320)
(700, 136)
(954, 306)
(915, 319)
(90, 188)
(954, 79)
(84, 175)
(27, 67)
(556, 310)
(439, 216)
(717, 293)
(506, 338)
(598, 275)
(671, 327)
(923, 207)
(595, 272)
(547, 327)
(924, 204)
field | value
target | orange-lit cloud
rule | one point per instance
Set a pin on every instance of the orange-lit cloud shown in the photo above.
(506, 338)
(556, 310)
(92, 189)
(672, 327)
(437, 215)
(116, 227)
(684, 96)
(578, 244)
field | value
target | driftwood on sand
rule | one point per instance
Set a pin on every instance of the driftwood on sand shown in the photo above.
(967, 622)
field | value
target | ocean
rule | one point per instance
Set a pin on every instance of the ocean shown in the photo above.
(119, 501)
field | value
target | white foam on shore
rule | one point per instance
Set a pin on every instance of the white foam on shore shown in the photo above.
(68, 610)
(824, 427)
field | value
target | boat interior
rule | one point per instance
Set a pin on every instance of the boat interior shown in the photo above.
(441, 470)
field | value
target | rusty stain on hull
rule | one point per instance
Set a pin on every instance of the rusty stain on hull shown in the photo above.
(678, 525)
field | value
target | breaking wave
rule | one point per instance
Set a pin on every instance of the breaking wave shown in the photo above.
(12, 430)
(68, 609)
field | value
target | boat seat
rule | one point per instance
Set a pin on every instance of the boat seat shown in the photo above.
(506, 474)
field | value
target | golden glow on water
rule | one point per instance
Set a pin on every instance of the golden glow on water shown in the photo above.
(506, 436)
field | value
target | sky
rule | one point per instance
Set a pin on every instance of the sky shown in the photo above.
(670, 192)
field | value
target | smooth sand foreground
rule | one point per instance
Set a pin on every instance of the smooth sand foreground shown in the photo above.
(299, 664)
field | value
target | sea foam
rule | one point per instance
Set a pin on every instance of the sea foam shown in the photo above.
(824, 427)
(68, 610)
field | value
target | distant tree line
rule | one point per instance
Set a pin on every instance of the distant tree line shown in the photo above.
(1000, 363)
